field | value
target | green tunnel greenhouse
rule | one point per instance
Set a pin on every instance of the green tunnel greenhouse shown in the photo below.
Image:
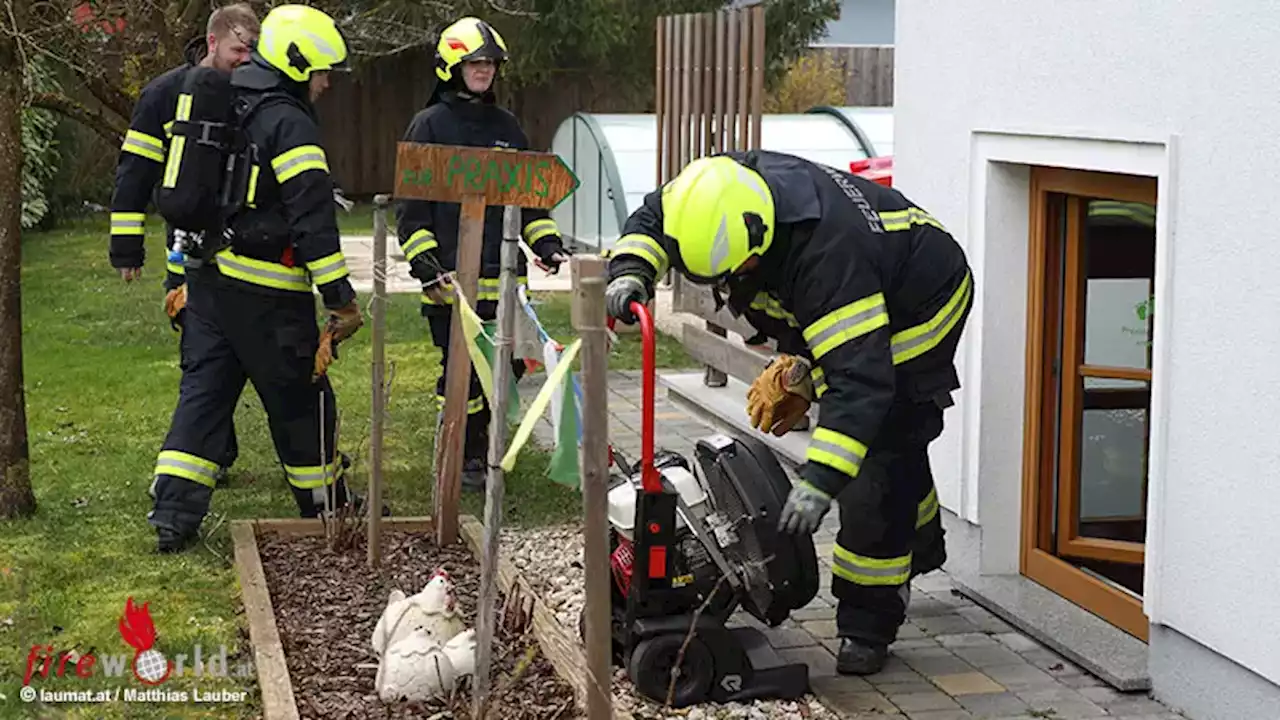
(615, 159)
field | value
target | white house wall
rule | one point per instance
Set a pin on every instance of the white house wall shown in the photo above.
(1197, 85)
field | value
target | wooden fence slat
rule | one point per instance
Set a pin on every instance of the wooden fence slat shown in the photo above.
(686, 86)
(708, 82)
(868, 73)
(698, 68)
(672, 140)
(732, 70)
(660, 91)
(717, 101)
(757, 74)
(744, 79)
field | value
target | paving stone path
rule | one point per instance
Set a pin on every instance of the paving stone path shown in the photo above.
(953, 660)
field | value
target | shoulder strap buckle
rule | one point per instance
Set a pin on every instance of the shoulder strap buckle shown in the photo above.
(204, 132)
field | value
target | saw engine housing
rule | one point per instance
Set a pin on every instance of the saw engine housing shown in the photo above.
(728, 507)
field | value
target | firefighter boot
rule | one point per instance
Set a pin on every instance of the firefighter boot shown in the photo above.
(858, 657)
(180, 506)
(473, 476)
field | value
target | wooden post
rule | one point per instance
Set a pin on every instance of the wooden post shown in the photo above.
(379, 343)
(475, 177)
(589, 274)
(508, 306)
(450, 448)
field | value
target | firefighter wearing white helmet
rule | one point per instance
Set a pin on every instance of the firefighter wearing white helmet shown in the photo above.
(866, 295)
(463, 110)
(250, 311)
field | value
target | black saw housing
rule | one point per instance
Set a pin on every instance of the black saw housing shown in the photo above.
(701, 544)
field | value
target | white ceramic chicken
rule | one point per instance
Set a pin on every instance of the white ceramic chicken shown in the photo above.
(433, 611)
(417, 668)
(461, 650)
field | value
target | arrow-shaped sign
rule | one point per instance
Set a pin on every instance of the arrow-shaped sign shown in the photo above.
(450, 173)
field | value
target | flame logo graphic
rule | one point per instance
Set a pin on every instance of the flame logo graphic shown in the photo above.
(149, 666)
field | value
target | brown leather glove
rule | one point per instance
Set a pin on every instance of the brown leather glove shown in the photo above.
(341, 325)
(174, 303)
(780, 395)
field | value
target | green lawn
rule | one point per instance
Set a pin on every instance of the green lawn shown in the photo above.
(359, 220)
(102, 373)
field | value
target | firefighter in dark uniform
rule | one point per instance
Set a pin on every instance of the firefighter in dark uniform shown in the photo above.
(230, 34)
(868, 296)
(462, 111)
(251, 308)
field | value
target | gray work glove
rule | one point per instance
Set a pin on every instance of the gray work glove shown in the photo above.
(805, 508)
(621, 293)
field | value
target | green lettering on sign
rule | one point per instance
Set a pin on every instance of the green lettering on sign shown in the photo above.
(540, 172)
(457, 165)
(494, 175)
(421, 177)
(502, 176)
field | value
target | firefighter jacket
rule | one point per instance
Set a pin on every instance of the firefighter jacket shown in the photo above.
(859, 280)
(285, 238)
(141, 164)
(428, 231)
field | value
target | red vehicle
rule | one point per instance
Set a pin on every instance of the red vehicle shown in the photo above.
(876, 169)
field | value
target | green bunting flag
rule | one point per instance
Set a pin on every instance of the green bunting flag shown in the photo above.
(566, 451)
(489, 352)
(564, 468)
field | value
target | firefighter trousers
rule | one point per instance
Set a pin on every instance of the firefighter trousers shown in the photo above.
(890, 527)
(476, 444)
(228, 456)
(233, 334)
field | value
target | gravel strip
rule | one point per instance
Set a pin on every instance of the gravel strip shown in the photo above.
(550, 559)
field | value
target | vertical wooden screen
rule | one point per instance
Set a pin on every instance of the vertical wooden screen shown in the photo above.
(710, 99)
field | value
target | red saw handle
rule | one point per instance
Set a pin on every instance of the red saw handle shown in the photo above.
(649, 479)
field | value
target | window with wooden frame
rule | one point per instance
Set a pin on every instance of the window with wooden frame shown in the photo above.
(1092, 273)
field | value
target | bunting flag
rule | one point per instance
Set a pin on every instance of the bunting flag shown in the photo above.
(565, 422)
(566, 444)
(481, 336)
(559, 394)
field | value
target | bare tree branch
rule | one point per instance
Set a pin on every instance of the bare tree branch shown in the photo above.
(512, 11)
(103, 124)
(111, 96)
(191, 14)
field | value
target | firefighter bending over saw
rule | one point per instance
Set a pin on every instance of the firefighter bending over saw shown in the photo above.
(251, 310)
(867, 296)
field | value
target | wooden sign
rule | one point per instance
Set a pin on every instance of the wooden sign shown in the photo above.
(451, 173)
(476, 178)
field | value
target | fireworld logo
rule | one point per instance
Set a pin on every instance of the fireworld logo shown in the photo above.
(148, 664)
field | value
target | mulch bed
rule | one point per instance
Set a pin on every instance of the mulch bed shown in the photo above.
(327, 603)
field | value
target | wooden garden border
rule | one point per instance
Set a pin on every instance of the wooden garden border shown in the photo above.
(278, 702)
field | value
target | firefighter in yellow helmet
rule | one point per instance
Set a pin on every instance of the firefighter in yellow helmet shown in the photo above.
(866, 295)
(250, 312)
(462, 110)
